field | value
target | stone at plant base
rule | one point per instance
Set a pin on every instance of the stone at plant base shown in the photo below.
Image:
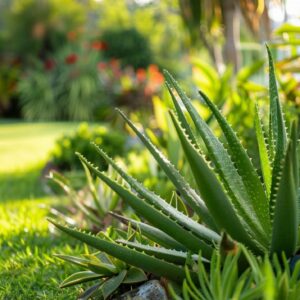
(151, 290)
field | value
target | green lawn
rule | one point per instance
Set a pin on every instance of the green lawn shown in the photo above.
(28, 269)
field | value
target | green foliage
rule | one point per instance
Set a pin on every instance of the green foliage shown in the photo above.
(158, 21)
(112, 141)
(265, 279)
(65, 86)
(231, 196)
(108, 273)
(36, 27)
(127, 45)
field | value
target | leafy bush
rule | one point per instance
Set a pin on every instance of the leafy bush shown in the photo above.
(65, 86)
(260, 213)
(35, 28)
(112, 141)
(127, 45)
(265, 278)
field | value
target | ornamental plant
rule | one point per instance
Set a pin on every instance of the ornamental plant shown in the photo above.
(262, 213)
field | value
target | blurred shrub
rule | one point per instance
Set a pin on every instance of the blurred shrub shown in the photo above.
(34, 28)
(65, 86)
(158, 21)
(127, 45)
(63, 155)
(129, 87)
(9, 74)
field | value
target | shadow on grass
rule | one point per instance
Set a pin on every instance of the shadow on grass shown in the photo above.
(21, 185)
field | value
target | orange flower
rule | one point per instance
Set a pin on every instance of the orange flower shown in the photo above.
(99, 45)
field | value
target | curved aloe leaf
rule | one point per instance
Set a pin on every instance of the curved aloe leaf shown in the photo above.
(130, 256)
(225, 168)
(152, 198)
(95, 266)
(80, 277)
(277, 134)
(173, 256)
(153, 215)
(263, 152)
(181, 116)
(151, 233)
(244, 167)
(110, 286)
(187, 193)
(285, 224)
(212, 192)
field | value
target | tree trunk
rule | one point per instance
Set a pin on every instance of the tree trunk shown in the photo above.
(231, 23)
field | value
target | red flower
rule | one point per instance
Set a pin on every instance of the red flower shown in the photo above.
(99, 45)
(49, 64)
(141, 75)
(71, 59)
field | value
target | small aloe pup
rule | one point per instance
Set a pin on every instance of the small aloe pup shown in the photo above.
(261, 213)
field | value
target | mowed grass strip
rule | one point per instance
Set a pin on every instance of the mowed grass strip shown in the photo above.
(28, 269)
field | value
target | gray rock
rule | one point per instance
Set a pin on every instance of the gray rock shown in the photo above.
(151, 290)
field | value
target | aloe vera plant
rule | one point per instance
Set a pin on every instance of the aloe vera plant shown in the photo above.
(261, 213)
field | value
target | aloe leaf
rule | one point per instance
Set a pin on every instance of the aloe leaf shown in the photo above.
(135, 275)
(284, 235)
(129, 256)
(173, 256)
(211, 191)
(245, 168)
(111, 285)
(151, 233)
(181, 116)
(198, 229)
(186, 192)
(276, 126)
(153, 215)
(93, 265)
(277, 133)
(80, 277)
(224, 166)
(89, 292)
(263, 152)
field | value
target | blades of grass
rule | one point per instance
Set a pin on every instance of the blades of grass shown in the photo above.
(225, 168)
(245, 168)
(151, 233)
(198, 229)
(263, 152)
(212, 192)
(191, 283)
(129, 256)
(284, 235)
(188, 194)
(153, 215)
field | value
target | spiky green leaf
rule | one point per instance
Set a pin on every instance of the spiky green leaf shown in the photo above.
(153, 215)
(130, 256)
